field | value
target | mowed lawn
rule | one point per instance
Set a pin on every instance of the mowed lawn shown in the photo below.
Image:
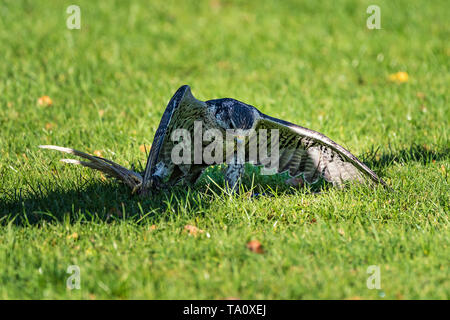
(308, 62)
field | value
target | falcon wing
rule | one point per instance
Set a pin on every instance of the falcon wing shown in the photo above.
(309, 153)
(181, 112)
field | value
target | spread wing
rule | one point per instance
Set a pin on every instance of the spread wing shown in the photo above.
(309, 153)
(181, 112)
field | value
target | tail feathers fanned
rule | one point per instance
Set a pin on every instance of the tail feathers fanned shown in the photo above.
(131, 178)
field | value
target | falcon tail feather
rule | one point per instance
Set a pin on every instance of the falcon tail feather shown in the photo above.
(129, 177)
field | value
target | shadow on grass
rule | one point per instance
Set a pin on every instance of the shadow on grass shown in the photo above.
(94, 200)
(415, 153)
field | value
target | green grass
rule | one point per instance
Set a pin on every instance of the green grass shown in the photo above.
(314, 64)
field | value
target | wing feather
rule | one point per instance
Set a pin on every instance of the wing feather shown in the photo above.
(311, 154)
(181, 112)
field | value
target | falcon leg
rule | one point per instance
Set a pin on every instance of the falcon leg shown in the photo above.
(235, 170)
(233, 177)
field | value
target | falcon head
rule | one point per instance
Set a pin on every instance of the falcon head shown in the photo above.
(231, 114)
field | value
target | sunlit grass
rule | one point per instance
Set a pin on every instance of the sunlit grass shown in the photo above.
(383, 94)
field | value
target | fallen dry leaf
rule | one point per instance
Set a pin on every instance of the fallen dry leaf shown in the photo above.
(420, 95)
(355, 298)
(223, 64)
(73, 236)
(400, 77)
(144, 148)
(255, 246)
(399, 296)
(45, 101)
(192, 230)
(215, 5)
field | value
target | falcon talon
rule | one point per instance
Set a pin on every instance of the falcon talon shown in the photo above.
(306, 155)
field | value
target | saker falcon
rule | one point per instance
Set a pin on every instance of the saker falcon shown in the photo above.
(302, 153)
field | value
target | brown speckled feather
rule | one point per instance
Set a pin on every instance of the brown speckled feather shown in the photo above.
(313, 155)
